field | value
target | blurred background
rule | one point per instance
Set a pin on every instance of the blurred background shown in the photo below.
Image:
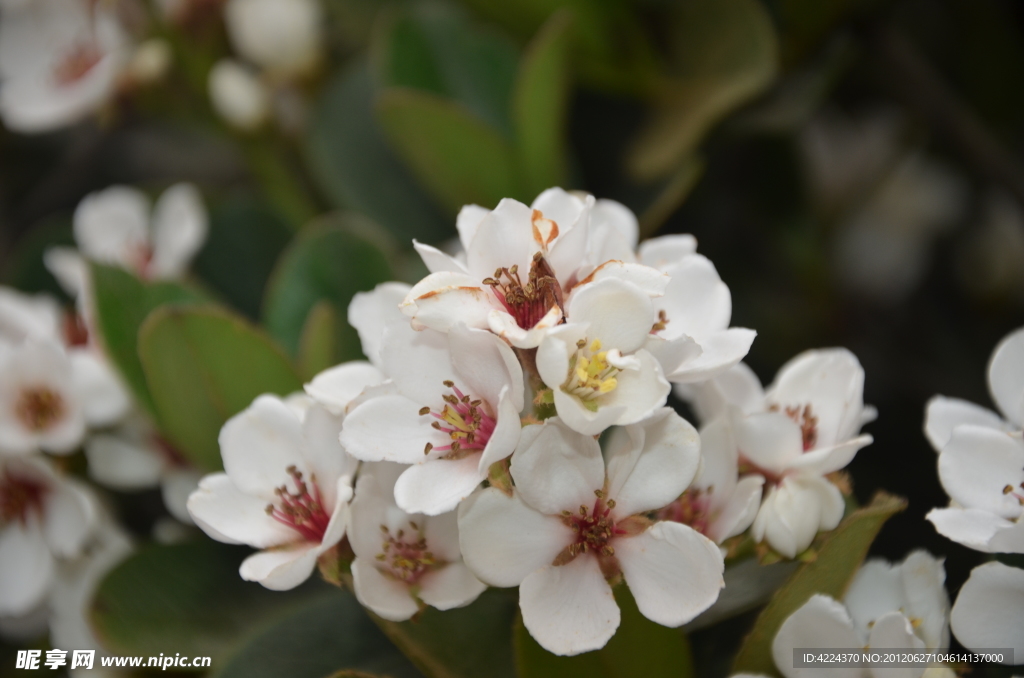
(852, 167)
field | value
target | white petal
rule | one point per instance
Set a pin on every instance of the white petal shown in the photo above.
(326, 459)
(389, 428)
(419, 362)
(770, 440)
(450, 587)
(619, 313)
(696, 301)
(720, 459)
(794, 511)
(112, 226)
(667, 250)
(259, 444)
(720, 352)
(1006, 376)
(504, 238)
(70, 518)
(505, 326)
(388, 598)
(370, 312)
(876, 589)
(442, 534)
(104, 398)
(569, 609)
(504, 540)
(553, 353)
(989, 611)
(467, 222)
(578, 417)
(442, 299)
(505, 437)
(657, 468)
(828, 459)
(737, 387)
(650, 280)
(639, 391)
(924, 584)
(180, 225)
(122, 463)
(821, 622)
(437, 261)
(617, 224)
(176, 487)
(738, 513)
(673, 354)
(340, 516)
(280, 569)
(28, 568)
(69, 268)
(486, 364)
(977, 464)
(945, 414)
(673, 571)
(557, 469)
(24, 316)
(374, 501)
(336, 387)
(568, 253)
(226, 514)
(974, 528)
(437, 486)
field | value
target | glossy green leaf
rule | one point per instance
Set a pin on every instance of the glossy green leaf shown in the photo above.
(203, 365)
(329, 633)
(838, 559)
(355, 167)
(639, 647)
(318, 345)
(539, 106)
(457, 156)
(122, 303)
(331, 261)
(726, 53)
(245, 240)
(466, 642)
(186, 598)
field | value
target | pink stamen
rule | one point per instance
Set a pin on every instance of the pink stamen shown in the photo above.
(20, 497)
(465, 421)
(301, 510)
(406, 559)
(690, 509)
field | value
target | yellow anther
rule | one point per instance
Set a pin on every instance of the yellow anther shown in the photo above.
(595, 346)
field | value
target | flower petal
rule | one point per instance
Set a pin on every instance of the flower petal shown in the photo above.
(281, 569)
(821, 622)
(336, 387)
(924, 585)
(989, 611)
(326, 459)
(738, 513)
(122, 463)
(228, 515)
(259, 444)
(619, 313)
(977, 463)
(437, 486)
(557, 469)
(696, 301)
(419, 362)
(770, 440)
(452, 586)
(388, 598)
(437, 261)
(504, 238)
(104, 399)
(486, 364)
(370, 312)
(70, 519)
(1006, 376)
(639, 391)
(28, 568)
(720, 352)
(505, 436)
(180, 225)
(442, 299)
(828, 459)
(468, 221)
(945, 414)
(389, 428)
(974, 528)
(112, 226)
(893, 630)
(666, 250)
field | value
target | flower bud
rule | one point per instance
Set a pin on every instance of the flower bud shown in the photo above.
(238, 95)
(282, 36)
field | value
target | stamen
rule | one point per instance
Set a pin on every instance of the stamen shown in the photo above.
(20, 497)
(528, 303)
(590, 373)
(594, 528)
(692, 509)
(406, 560)
(39, 408)
(803, 416)
(661, 324)
(467, 422)
(303, 510)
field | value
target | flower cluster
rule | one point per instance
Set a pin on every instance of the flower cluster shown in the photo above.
(479, 419)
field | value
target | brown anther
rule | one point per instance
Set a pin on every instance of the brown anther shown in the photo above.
(424, 410)
(1008, 489)
(427, 448)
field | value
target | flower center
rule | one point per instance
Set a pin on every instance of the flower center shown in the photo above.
(527, 302)
(302, 510)
(1016, 492)
(805, 418)
(662, 322)
(590, 373)
(76, 63)
(692, 509)
(75, 331)
(19, 497)
(406, 558)
(39, 408)
(466, 421)
(594, 528)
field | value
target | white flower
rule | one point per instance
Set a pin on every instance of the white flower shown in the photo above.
(238, 95)
(24, 316)
(596, 365)
(43, 517)
(59, 62)
(452, 411)
(49, 397)
(571, 525)
(286, 488)
(114, 226)
(989, 610)
(404, 560)
(282, 36)
(371, 312)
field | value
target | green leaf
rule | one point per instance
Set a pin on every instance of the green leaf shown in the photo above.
(331, 632)
(318, 345)
(122, 303)
(726, 53)
(331, 262)
(639, 647)
(540, 103)
(466, 642)
(204, 365)
(245, 240)
(356, 168)
(457, 156)
(186, 598)
(838, 559)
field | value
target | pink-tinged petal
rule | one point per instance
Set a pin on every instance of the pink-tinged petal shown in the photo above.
(389, 428)
(944, 414)
(569, 609)
(437, 261)
(386, 597)
(504, 238)
(452, 586)
(335, 388)
(503, 540)
(467, 223)
(506, 327)
(659, 465)
(281, 569)
(437, 486)
(739, 511)
(259, 444)
(720, 352)
(650, 280)
(70, 519)
(370, 312)
(821, 622)
(326, 459)
(771, 441)
(667, 250)
(228, 515)
(1006, 376)
(486, 365)
(971, 527)
(180, 225)
(27, 567)
(989, 611)
(505, 436)
(696, 301)
(673, 572)
(977, 464)
(557, 469)
(618, 313)
(639, 391)
(829, 459)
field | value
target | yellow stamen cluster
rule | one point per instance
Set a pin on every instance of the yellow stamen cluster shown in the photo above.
(405, 559)
(590, 373)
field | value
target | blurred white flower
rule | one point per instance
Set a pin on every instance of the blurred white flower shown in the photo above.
(404, 560)
(286, 489)
(150, 61)
(238, 95)
(43, 517)
(572, 526)
(59, 61)
(282, 36)
(989, 610)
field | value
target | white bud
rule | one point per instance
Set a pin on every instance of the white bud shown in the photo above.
(238, 95)
(151, 61)
(282, 36)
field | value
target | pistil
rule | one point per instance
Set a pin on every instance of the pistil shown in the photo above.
(594, 530)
